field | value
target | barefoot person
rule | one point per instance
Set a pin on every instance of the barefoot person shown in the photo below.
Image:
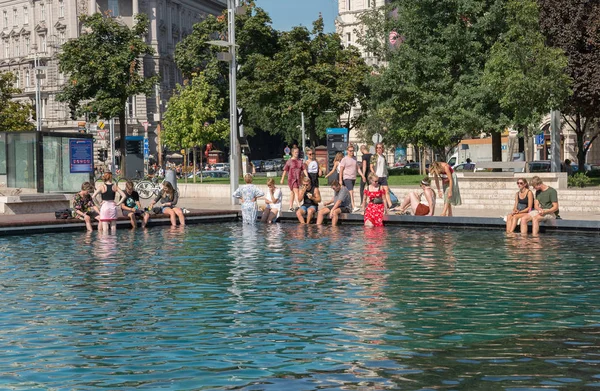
(108, 208)
(374, 203)
(523, 205)
(310, 196)
(451, 193)
(340, 203)
(273, 203)
(168, 198)
(545, 206)
(84, 206)
(413, 200)
(132, 207)
(293, 169)
(248, 194)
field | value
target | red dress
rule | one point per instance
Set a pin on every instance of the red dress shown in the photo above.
(294, 169)
(374, 212)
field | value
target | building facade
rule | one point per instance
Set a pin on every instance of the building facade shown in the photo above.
(33, 31)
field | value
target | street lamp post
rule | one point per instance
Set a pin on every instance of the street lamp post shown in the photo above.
(234, 157)
(38, 95)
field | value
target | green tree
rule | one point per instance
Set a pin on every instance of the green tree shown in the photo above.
(574, 26)
(193, 116)
(311, 73)
(431, 89)
(528, 77)
(103, 67)
(14, 116)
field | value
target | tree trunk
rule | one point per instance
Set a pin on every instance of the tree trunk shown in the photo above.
(312, 131)
(581, 151)
(496, 146)
(123, 143)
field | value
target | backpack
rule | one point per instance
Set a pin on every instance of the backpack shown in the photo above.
(63, 214)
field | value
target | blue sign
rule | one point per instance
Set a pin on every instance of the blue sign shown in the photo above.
(539, 139)
(146, 148)
(81, 155)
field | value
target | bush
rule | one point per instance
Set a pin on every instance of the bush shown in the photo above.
(579, 180)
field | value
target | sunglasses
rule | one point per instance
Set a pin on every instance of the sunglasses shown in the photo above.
(520, 183)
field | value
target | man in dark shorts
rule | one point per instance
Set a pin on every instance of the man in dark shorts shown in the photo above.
(341, 203)
(545, 206)
(132, 207)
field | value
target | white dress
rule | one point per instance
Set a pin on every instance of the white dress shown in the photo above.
(276, 201)
(249, 208)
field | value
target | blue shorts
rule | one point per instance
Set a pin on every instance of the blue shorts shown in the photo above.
(383, 181)
(306, 208)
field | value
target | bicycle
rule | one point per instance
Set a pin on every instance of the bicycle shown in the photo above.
(147, 188)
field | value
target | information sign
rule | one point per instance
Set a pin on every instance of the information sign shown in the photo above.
(81, 155)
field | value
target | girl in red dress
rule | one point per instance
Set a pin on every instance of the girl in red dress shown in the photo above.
(375, 203)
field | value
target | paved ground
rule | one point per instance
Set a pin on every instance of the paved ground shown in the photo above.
(220, 204)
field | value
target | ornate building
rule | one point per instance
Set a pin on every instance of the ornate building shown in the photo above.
(34, 30)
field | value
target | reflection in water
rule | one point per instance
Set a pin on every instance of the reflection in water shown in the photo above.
(284, 306)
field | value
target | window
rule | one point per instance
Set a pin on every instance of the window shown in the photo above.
(25, 15)
(17, 48)
(27, 45)
(27, 78)
(15, 17)
(18, 79)
(42, 12)
(62, 37)
(61, 8)
(349, 39)
(6, 49)
(113, 7)
(348, 8)
(5, 15)
(43, 45)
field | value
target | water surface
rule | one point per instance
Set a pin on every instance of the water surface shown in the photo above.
(299, 308)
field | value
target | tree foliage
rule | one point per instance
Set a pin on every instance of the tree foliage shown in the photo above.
(431, 90)
(528, 76)
(192, 118)
(14, 116)
(574, 26)
(311, 73)
(103, 67)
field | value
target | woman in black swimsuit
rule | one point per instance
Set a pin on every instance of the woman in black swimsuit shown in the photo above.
(523, 204)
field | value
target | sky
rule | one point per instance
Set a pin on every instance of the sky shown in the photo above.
(289, 13)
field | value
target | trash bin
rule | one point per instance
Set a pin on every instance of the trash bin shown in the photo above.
(171, 176)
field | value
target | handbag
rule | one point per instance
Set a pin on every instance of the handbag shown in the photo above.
(377, 201)
(63, 214)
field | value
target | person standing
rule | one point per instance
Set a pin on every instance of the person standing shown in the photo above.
(335, 168)
(293, 168)
(451, 193)
(348, 169)
(312, 168)
(248, 195)
(380, 167)
(340, 203)
(108, 207)
(366, 170)
(545, 206)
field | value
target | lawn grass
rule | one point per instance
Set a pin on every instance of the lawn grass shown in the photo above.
(400, 180)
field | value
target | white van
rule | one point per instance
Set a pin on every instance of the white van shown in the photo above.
(453, 160)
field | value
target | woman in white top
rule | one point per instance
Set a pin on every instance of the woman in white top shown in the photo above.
(313, 169)
(273, 201)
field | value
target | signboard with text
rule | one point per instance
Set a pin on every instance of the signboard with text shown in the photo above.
(81, 156)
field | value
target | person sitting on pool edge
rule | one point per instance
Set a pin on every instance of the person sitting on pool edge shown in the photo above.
(413, 201)
(340, 203)
(310, 196)
(545, 206)
(132, 207)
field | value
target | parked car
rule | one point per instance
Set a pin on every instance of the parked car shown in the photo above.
(211, 174)
(259, 165)
(220, 167)
(270, 165)
(575, 167)
(461, 167)
(413, 165)
(540, 166)
(279, 164)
